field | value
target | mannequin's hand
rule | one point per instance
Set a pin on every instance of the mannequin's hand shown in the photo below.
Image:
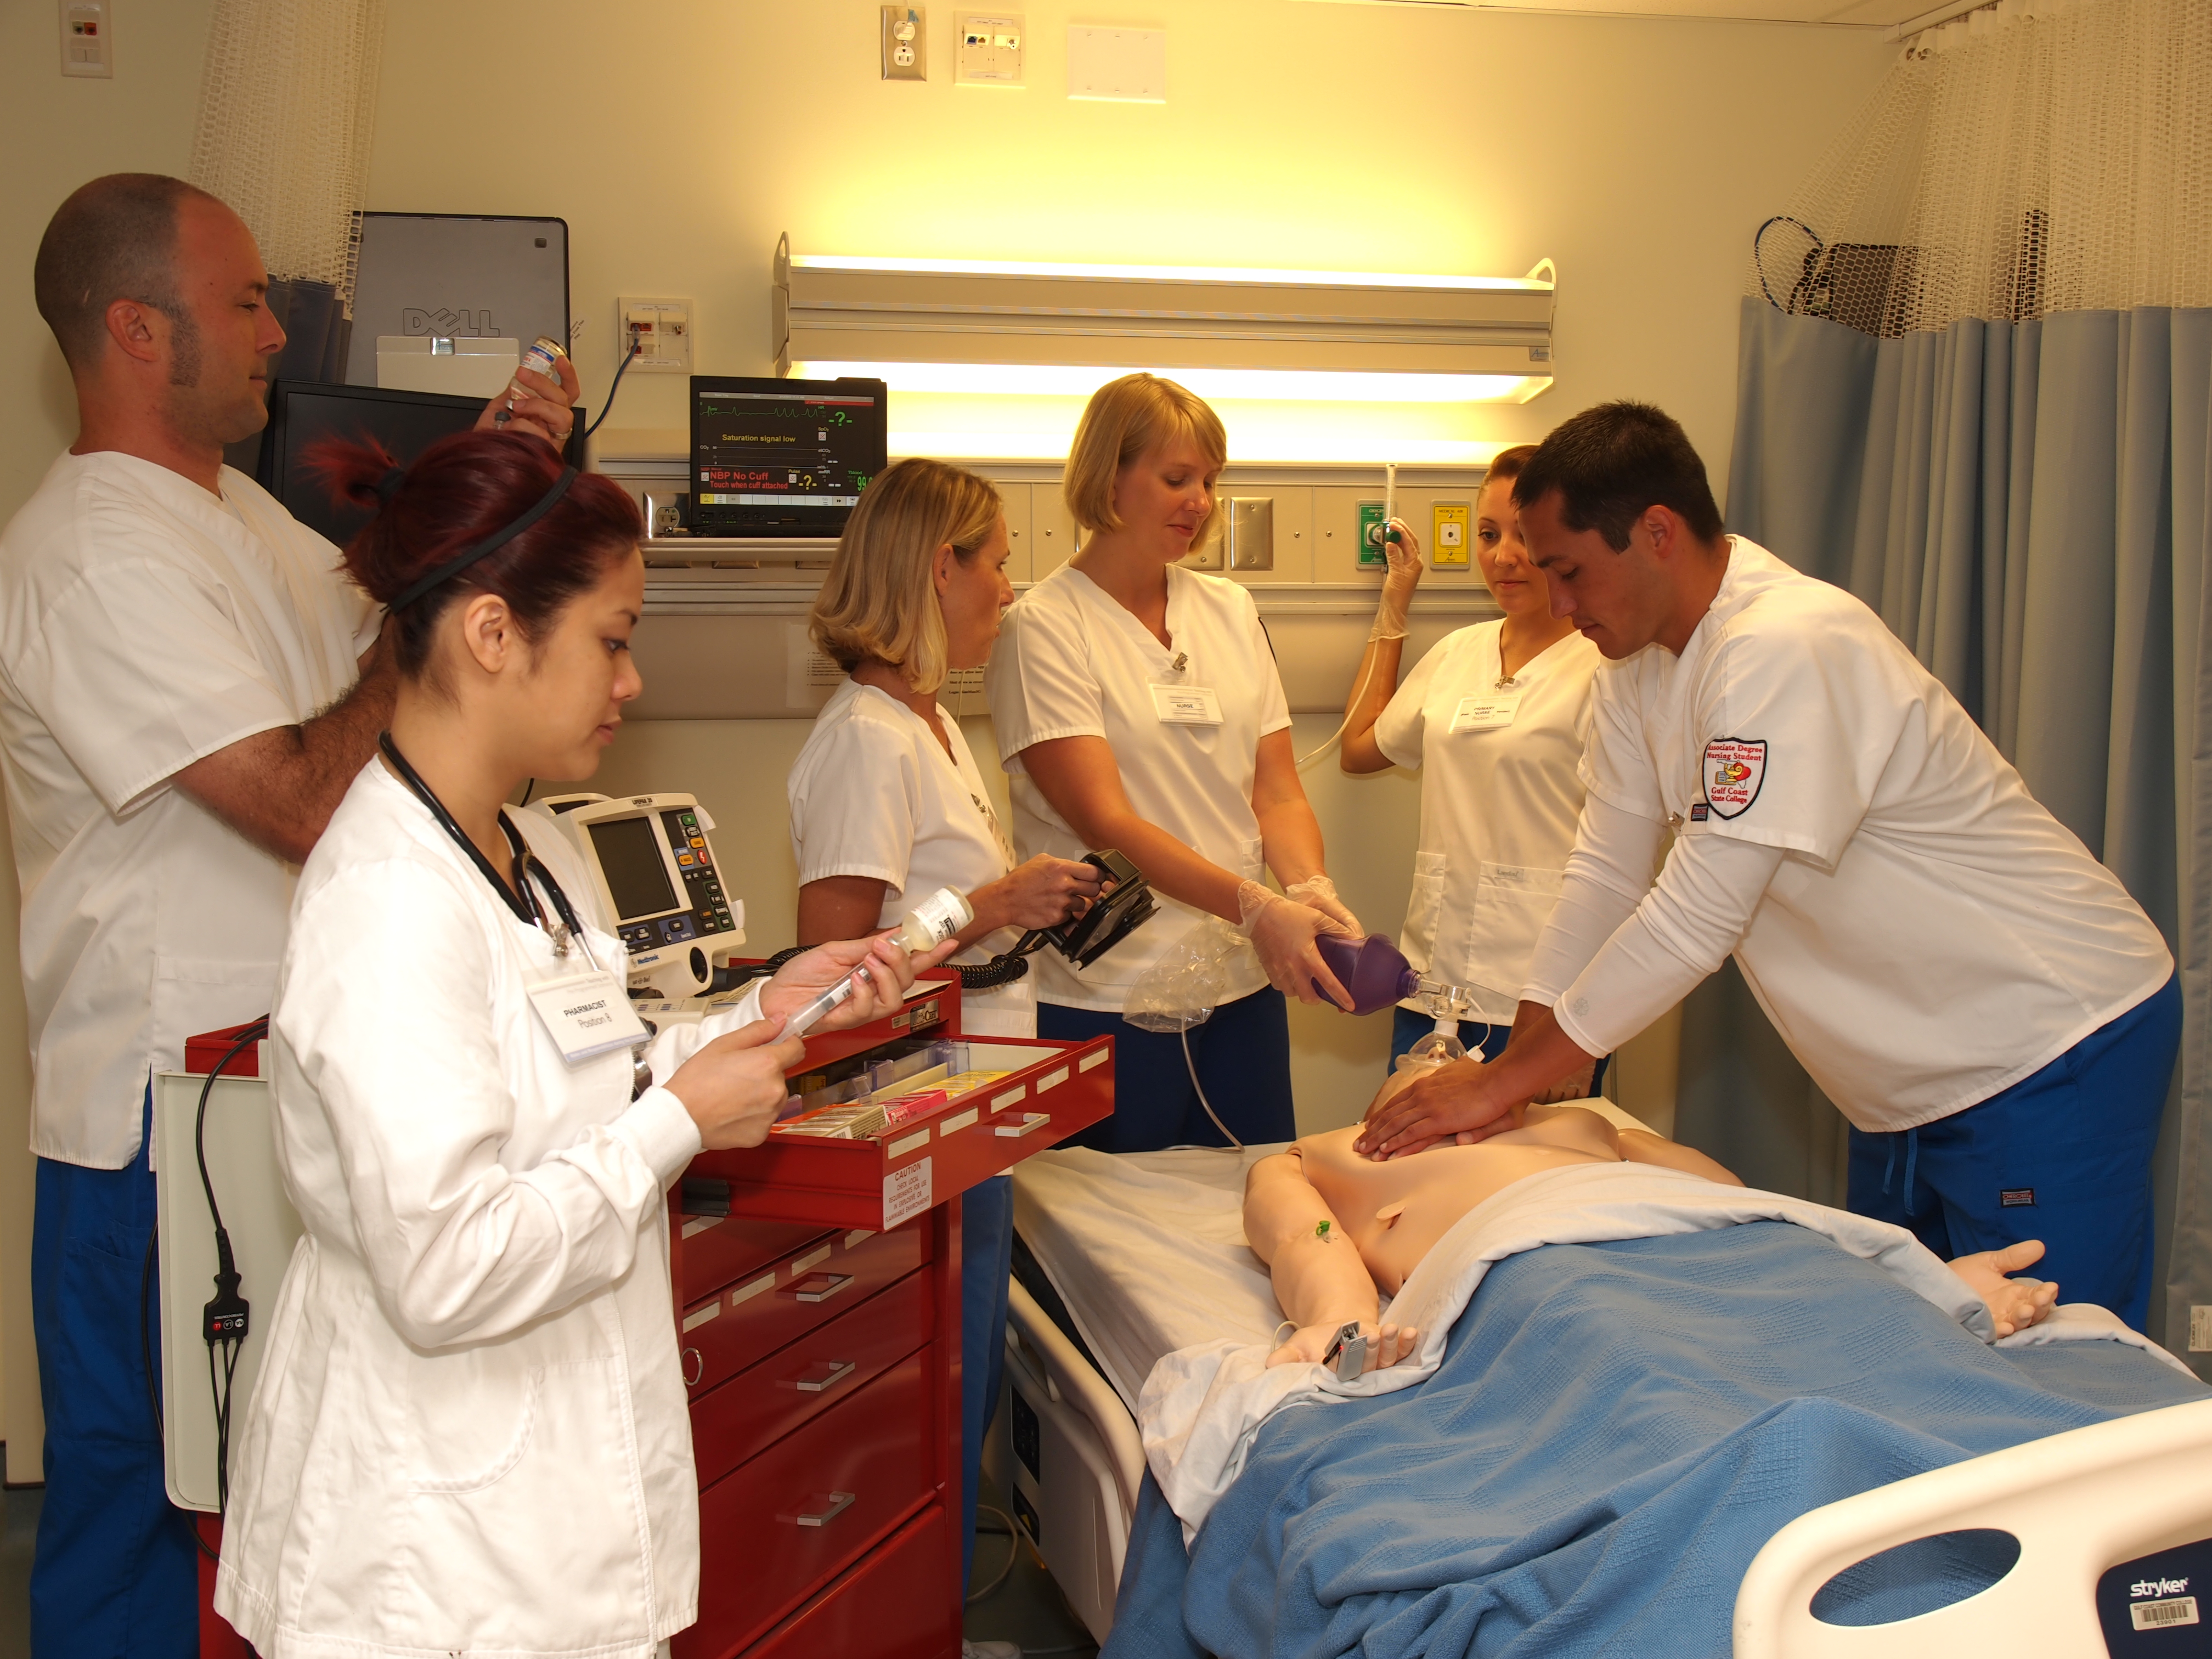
(888, 970)
(1386, 1344)
(1454, 1101)
(733, 1087)
(2014, 1303)
(1282, 935)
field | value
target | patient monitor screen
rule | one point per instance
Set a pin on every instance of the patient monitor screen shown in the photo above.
(783, 458)
(630, 858)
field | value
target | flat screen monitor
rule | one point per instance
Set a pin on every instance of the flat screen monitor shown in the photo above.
(630, 858)
(302, 413)
(783, 458)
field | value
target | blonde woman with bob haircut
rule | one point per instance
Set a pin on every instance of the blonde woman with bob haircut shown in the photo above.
(887, 804)
(1138, 707)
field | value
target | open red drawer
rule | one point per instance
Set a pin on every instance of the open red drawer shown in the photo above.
(1051, 1091)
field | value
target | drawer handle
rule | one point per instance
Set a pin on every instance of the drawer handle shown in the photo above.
(693, 1357)
(1029, 1121)
(823, 1375)
(825, 1508)
(820, 1287)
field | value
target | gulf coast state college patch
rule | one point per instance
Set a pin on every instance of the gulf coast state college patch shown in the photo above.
(1735, 769)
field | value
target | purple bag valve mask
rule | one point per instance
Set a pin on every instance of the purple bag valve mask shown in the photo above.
(1371, 970)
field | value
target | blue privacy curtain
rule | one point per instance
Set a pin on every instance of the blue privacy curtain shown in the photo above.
(1975, 390)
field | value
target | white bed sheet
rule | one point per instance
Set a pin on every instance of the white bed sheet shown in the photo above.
(1147, 1248)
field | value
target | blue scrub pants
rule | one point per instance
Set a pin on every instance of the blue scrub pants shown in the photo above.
(1242, 1056)
(987, 1262)
(114, 1575)
(1480, 1040)
(2064, 1156)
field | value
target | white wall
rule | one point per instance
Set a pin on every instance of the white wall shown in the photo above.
(678, 140)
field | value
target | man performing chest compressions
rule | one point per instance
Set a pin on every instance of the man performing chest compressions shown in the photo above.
(1980, 997)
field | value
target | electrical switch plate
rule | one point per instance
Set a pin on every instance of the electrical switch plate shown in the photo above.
(987, 48)
(1450, 542)
(88, 46)
(662, 331)
(905, 43)
(1117, 65)
(1248, 529)
(1211, 552)
(1372, 554)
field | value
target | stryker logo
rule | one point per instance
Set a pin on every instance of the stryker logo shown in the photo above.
(2157, 1586)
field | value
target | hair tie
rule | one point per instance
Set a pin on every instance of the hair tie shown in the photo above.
(499, 538)
(388, 485)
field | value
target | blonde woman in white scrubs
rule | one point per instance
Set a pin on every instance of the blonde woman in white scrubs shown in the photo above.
(1138, 707)
(1494, 717)
(887, 806)
(470, 1435)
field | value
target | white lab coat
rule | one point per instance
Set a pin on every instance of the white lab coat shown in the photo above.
(1071, 661)
(874, 794)
(469, 1433)
(144, 625)
(1499, 804)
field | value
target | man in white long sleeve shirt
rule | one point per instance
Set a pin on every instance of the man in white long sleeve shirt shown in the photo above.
(1980, 998)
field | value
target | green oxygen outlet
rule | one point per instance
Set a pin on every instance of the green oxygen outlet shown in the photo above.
(1373, 556)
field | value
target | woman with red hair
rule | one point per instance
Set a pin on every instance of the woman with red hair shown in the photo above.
(469, 1433)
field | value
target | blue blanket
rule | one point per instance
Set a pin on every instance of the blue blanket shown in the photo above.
(1615, 1431)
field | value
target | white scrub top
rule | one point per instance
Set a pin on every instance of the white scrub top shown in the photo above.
(144, 624)
(873, 793)
(1933, 935)
(469, 1433)
(1500, 799)
(1071, 662)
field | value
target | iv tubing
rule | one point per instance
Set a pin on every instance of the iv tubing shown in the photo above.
(1390, 517)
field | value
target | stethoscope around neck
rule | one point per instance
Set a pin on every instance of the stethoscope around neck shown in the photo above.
(521, 898)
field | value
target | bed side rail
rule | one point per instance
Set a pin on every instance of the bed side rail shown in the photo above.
(2079, 1502)
(1073, 1379)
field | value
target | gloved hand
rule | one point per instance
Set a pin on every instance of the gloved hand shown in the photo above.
(1319, 891)
(1398, 585)
(1282, 932)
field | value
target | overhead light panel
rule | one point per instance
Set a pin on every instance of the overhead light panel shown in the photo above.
(1064, 329)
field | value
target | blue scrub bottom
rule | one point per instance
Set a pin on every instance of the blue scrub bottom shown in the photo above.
(115, 1574)
(1242, 1056)
(1480, 1040)
(2064, 1156)
(987, 1262)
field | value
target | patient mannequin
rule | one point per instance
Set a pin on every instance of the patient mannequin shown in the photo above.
(1332, 1225)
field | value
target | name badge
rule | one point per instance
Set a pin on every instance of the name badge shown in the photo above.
(587, 1015)
(1187, 705)
(1487, 711)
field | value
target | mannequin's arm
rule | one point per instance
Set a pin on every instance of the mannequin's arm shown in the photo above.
(1319, 1278)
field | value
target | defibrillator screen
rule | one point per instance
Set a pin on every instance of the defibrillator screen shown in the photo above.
(630, 858)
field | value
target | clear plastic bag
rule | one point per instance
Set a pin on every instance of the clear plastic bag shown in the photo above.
(1186, 984)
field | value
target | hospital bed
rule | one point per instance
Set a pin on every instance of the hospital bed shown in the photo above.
(1144, 1255)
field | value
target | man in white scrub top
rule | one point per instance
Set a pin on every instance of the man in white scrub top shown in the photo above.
(179, 714)
(1980, 997)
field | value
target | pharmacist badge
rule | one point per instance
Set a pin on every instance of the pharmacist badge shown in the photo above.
(1735, 767)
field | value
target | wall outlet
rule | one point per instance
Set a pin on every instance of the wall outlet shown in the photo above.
(989, 49)
(904, 39)
(88, 47)
(1451, 538)
(661, 329)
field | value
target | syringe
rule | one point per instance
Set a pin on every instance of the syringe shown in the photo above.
(807, 1018)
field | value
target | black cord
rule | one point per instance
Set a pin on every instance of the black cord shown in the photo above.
(1759, 236)
(529, 788)
(224, 1322)
(636, 347)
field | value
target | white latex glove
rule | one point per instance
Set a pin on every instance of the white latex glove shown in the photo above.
(1319, 891)
(1282, 933)
(1399, 583)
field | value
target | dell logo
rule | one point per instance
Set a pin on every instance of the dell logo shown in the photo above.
(413, 319)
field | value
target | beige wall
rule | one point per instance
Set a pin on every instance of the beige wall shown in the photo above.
(54, 135)
(678, 140)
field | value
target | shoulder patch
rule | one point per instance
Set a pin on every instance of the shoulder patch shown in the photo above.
(1735, 769)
